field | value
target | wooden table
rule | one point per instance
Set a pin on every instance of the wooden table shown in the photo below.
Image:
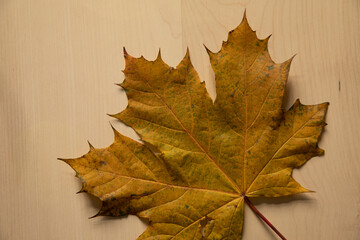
(59, 60)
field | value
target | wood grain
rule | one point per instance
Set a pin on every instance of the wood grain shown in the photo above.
(59, 60)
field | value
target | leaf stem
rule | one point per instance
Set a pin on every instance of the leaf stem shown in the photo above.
(247, 200)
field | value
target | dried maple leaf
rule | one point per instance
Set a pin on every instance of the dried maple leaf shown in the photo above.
(202, 160)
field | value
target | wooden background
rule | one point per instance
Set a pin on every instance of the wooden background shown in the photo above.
(59, 60)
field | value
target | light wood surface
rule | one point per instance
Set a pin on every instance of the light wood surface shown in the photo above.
(59, 60)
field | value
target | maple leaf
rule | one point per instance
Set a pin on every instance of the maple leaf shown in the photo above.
(201, 160)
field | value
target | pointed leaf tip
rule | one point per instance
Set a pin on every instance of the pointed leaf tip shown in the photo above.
(116, 133)
(125, 52)
(209, 52)
(112, 114)
(158, 57)
(245, 22)
(292, 58)
(90, 145)
(305, 190)
(82, 190)
(96, 215)
(187, 53)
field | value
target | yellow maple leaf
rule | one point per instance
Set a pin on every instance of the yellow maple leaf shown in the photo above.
(213, 156)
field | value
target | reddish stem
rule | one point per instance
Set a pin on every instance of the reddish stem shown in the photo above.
(247, 200)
